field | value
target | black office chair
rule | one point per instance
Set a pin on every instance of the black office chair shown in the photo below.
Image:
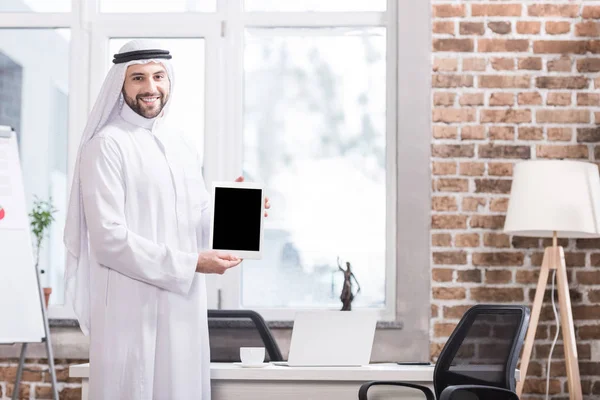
(231, 329)
(483, 350)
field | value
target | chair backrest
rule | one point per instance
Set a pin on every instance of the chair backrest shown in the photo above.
(231, 329)
(483, 349)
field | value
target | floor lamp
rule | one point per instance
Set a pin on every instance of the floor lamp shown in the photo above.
(557, 199)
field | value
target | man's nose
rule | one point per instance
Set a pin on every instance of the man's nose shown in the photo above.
(150, 86)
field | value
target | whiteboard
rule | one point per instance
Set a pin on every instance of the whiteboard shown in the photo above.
(20, 293)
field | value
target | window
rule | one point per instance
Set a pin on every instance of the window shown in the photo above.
(314, 133)
(298, 95)
(34, 101)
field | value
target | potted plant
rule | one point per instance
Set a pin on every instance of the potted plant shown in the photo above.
(42, 216)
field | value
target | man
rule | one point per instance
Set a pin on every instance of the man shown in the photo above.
(136, 234)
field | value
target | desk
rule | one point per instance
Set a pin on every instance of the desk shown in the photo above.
(231, 382)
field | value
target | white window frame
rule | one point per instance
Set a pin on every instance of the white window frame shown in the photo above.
(223, 31)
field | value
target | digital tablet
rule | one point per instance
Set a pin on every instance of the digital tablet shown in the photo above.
(237, 218)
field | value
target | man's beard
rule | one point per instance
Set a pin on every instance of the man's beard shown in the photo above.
(146, 111)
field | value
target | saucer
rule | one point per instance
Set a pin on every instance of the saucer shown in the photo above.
(261, 365)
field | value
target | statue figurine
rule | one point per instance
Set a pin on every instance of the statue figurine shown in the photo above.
(347, 296)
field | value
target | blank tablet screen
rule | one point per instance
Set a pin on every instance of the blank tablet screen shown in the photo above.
(237, 219)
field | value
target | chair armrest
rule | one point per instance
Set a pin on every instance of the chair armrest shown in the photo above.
(362, 393)
(483, 392)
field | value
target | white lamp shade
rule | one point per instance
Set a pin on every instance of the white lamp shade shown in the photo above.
(554, 195)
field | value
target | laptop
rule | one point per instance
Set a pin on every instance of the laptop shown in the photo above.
(332, 339)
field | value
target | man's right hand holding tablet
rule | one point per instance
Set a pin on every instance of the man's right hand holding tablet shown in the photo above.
(214, 262)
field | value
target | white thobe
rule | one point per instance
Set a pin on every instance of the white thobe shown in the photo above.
(147, 212)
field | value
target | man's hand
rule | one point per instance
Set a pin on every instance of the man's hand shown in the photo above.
(267, 204)
(213, 262)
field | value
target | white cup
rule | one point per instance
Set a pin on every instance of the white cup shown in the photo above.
(252, 355)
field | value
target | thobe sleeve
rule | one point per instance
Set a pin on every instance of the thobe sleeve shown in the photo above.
(114, 245)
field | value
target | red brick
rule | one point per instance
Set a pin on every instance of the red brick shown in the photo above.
(560, 47)
(504, 81)
(470, 275)
(471, 99)
(472, 168)
(455, 312)
(504, 151)
(529, 98)
(498, 259)
(472, 132)
(444, 168)
(496, 240)
(445, 293)
(560, 134)
(501, 186)
(441, 240)
(563, 116)
(501, 132)
(445, 64)
(450, 115)
(538, 386)
(528, 27)
(448, 221)
(530, 63)
(524, 242)
(445, 132)
(500, 169)
(70, 393)
(442, 274)
(496, 276)
(588, 244)
(496, 10)
(443, 203)
(587, 28)
(588, 99)
(530, 133)
(448, 10)
(588, 278)
(557, 27)
(594, 296)
(444, 98)
(502, 45)
(562, 64)
(467, 240)
(24, 390)
(553, 10)
(500, 27)
(503, 64)
(452, 81)
(443, 27)
(454, 45)
(473, 203)
(471, 28)
(504, 295)
(474, 64)
(514, 116)
(443, 329)
(591, 12)
(562, 151)
(560, 82)
(588, 135)
(449, 257)
(452, 150)
(588, 332)
(502, 99)
(452, 185)
(528, 276)
(558, 99)
(487, 221)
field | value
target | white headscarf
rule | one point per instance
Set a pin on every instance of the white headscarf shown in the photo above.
(106, 108)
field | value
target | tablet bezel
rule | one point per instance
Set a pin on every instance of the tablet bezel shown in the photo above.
(246, 254)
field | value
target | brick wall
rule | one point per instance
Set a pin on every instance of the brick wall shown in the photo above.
(36, 382)
(512, 80)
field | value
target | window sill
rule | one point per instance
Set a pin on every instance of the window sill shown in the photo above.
(73, 323)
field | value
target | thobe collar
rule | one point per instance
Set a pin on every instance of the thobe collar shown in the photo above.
(136, 119)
